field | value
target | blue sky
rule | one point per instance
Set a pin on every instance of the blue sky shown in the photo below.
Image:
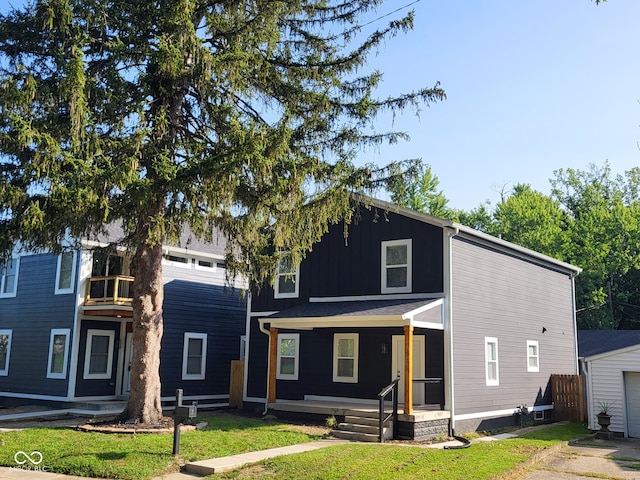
(533, 86)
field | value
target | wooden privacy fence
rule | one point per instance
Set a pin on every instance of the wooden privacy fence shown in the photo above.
(568, 398)
(236, 384)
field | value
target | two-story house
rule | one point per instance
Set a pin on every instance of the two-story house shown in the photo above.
(66, 326)
(472, 325)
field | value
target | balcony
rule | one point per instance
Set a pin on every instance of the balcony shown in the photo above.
(109, 296)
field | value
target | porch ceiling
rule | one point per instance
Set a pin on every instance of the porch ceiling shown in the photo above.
(368, 313)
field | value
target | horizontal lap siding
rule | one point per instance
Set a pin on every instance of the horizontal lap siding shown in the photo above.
(201, 308)
(496, 295)
(607, 384)
(31, 315)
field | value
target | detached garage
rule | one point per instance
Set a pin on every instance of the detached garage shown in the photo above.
(610, 364)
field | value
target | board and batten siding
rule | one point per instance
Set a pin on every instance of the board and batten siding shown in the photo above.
(31, 315)
(498, 295)
(606, 378)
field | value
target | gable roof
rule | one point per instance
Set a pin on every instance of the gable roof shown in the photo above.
(595, 342)
(476, 235)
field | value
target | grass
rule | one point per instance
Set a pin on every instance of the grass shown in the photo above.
(481, 461)
(144, 456)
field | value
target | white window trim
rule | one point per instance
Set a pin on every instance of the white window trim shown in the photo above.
(9, 333)
(392, 243)
(185, 354)
(87, 354)
(58, 331)
(531, 343)
(166, 261)
(336, 338)
(3, 278)
(296, 282)
(491, 382)
(294, 375)
(61, 291)
(212, 268)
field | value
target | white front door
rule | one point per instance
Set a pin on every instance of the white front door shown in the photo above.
(397, 366)
(632, 394)
(126, 375)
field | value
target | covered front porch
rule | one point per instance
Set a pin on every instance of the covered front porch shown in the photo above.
(396, 343)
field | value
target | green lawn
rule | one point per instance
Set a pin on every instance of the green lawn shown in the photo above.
(144, 456)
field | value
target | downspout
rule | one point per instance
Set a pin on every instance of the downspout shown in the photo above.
(575, 319)
(266, 393)
(448, 325)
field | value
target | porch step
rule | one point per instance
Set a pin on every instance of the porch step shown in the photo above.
(362, 427)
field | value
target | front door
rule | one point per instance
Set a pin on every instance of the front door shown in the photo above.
(397, 366)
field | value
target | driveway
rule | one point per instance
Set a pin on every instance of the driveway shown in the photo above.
(586, 459)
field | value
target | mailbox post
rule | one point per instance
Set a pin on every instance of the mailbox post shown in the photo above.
(180, 414)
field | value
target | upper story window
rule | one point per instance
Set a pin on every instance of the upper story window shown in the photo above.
(9, 277)
(396, 266)
(287, 277)
(491, 361)
(65, 276)
(533, 356)
(5, 351)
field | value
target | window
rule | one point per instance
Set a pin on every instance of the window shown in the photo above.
(288, 348)
(345, 357)
(9, 277)
(98, 358)
(287, 277)
(491, 360)
(194, 356)
(5, 351)
(57, 366)
(533, 360)
(65, 278)
(396, 266)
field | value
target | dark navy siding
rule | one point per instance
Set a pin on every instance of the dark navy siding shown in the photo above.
(97, 387)
(195, 307)
(315, 375)
(351, 267)
(31, 315)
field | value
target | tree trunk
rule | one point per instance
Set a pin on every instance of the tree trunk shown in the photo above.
(144, 405)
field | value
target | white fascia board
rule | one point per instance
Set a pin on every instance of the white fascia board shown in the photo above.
(338, 321)
(419, 310)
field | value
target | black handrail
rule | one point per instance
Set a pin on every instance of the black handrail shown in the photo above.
(431, 381)
(382, 416)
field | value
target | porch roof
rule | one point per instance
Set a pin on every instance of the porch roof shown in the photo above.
(367, 313)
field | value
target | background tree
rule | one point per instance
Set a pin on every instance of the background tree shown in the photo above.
(419, 192)
(240, 115)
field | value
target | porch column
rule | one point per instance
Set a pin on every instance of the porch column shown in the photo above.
(408, 369)
(273, 364)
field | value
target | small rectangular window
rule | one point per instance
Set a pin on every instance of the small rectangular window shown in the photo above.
(533, 356)
(9, 277)
(5, 351)
(98, 359)
(194, 356)
(65, 277)
(288, 350)
(345, 357)
(58, 347)
(287, 277)
(396, 266)
(491, 361)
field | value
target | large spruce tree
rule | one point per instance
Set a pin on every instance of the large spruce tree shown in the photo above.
(240, 115)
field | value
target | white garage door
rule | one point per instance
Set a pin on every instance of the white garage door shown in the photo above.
(632, 394)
